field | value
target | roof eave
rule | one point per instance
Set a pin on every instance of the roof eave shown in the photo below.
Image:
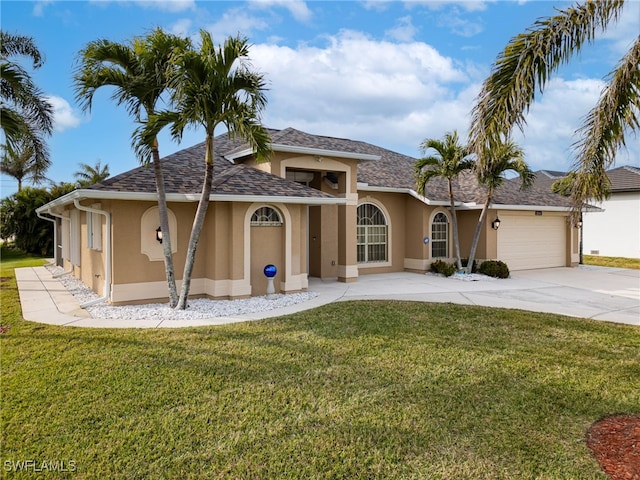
(183, 197)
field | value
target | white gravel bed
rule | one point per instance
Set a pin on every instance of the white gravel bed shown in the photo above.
(465, 277)
(200, 308)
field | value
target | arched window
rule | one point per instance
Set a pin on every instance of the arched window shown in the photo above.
(372, 234)
(266, 217)
(440, 236)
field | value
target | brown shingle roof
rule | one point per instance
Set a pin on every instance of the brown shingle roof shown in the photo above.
(624, 179)
(184, 170)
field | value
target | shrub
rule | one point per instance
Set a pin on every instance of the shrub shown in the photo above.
(494, 268)
(446, 269)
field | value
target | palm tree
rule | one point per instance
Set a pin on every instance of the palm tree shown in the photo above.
(25, 114)
(499, 159)
(138, 71)
(528, 62)
(89, 175)
(22, 163)
(213, 86)
(448, 163)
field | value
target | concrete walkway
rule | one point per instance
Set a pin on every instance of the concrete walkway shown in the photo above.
(609, 294)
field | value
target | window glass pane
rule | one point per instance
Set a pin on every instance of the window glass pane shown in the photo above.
(266, 217)
(371, 234)
(440, 236)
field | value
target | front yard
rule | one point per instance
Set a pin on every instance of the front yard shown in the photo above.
(351, 390)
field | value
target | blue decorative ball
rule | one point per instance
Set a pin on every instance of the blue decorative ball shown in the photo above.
(270, 271)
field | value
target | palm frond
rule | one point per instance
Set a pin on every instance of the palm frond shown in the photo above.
(603, 133)
(527, 63)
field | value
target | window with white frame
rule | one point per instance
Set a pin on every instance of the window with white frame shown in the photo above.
(371, 234)
(266, 217)
(440, 236)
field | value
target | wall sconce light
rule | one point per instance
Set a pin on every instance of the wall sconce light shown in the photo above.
(159, 234)
(579, 223)
(495, 224)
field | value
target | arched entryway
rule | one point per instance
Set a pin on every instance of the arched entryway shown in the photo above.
(267, 247)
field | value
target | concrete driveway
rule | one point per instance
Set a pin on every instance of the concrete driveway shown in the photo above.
(609, 294)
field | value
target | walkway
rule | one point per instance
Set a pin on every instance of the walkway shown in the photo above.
(609, 294)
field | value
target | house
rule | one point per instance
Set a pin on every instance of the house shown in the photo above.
(614, 230)
(322, 206)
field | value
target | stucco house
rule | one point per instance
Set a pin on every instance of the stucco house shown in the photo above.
(323, 207)
(613, 228)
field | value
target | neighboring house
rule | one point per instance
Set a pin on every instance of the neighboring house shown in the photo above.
(322, 206)
(614, 231)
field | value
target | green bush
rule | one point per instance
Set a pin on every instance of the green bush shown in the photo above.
(446, 269)
(494, 268)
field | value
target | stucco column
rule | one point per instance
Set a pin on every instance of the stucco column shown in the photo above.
(347, 232)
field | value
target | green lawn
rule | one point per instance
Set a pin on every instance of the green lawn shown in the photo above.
(618, 262)
(351, 390)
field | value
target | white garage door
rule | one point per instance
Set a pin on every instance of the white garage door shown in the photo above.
(526, 242)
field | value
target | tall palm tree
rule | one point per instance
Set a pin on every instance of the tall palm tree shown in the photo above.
(500, 158)
(25, 114)
(213, 86)
(22, 162)
(91, 174)
(138, 72)
(528, 62)
(449, 161)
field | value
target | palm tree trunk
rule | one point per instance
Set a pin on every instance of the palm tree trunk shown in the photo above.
(454, 221)
(476, 235)
(164, 226)
(198, 224)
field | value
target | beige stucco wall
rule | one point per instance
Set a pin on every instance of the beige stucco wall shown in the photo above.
(229, 259)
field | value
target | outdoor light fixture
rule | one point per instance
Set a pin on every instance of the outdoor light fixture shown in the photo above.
(495, 224)
(579, 223)
(159, 234)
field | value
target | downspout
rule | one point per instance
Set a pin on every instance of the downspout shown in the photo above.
(55, 239)
(107, 260)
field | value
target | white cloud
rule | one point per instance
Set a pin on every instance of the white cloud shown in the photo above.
(64, 116)
(236, 21)
(404, 31)
(468, 5)
(38, 7)
(554, 118)
(391, 94)
(172, 6)
(181, 27)
(623, 33)
(297, 8)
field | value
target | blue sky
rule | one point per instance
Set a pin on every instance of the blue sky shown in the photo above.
(389, 73)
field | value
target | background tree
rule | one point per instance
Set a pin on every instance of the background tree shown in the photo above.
(25, 114)
(22, 163)
(91, 174)
(138, 72)
(499, 159)
(528, 62)
(212, 86)
(20, 223)
(449, 161)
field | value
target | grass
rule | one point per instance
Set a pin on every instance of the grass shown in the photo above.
(392, 390)
(618, 262)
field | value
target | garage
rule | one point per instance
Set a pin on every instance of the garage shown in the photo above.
(532, 241)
